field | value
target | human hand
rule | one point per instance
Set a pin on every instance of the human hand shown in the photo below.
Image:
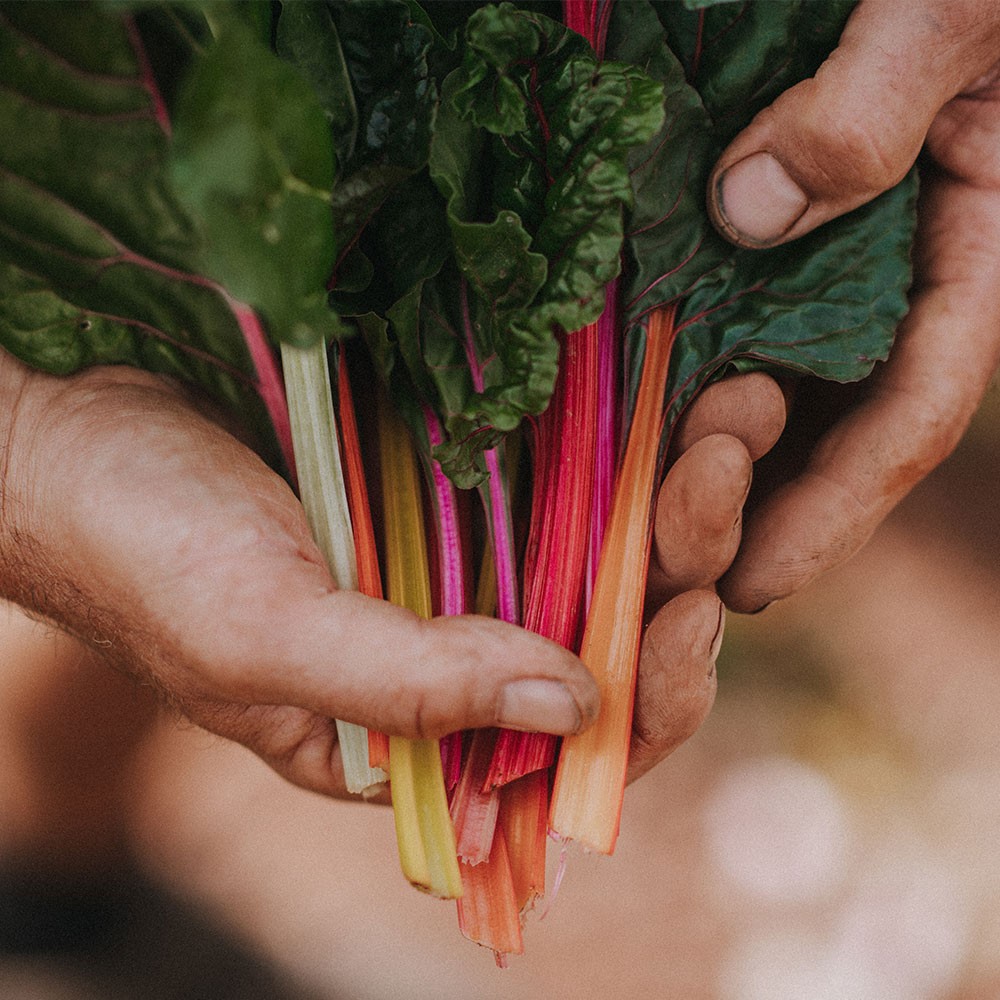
(697, 532)
(904, 77)
(135, 522)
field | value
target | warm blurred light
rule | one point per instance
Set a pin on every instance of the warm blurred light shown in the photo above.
(907, 921)
(778, 830)
(886, 920)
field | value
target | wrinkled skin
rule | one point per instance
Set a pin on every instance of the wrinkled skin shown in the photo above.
(137, 523)
(905, 77)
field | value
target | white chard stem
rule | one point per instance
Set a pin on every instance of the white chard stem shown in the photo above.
(324, 497)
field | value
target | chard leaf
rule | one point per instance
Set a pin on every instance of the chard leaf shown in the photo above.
(826, 305)
(252, 160)
(367, 63)
(306, 36)
(529, 153)
(97, 257)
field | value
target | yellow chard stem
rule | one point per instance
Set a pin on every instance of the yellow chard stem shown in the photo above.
(424, 833)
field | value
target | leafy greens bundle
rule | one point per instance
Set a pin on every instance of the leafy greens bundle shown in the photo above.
(184, 187)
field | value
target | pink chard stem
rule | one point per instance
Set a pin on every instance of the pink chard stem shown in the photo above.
(269, 381)
(270, 384)
(451, 570)
(494, 493)
(558, 543)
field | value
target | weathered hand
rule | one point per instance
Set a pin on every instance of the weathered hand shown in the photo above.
(133, 521)
(697, 533)
(904, 78)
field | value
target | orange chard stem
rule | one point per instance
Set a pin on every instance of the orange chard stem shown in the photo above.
(524, 808)
(365, 546)
(487, 911)
(590, 777)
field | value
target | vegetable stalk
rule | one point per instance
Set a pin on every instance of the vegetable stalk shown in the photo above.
(558, 540)
(323, 494)
(590, 777)
(365, 545)
(424, 832)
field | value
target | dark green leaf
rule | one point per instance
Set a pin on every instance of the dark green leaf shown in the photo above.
(827, 304)
(307, 37)
(96, 256)
(530, 154)
(253, 161)
(367, 63)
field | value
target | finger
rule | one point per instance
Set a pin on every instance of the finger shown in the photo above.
(748, 407)
(698, 517)
(368, 662)
(676, 682)
(299, 745)
(920, 404)
(834, 142)
(191, 561)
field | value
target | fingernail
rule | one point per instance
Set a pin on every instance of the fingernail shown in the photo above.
(720, 631)
(539, 706)
(758, 201)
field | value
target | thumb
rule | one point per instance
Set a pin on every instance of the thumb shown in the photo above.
(366, 661)
(361, 660)
(835, 141)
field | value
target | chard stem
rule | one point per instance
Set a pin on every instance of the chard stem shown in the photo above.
(323, 493)
(558, 540)
(495, 494)
(269, 379)
(590, 777)
(606, 445)
(425, 836)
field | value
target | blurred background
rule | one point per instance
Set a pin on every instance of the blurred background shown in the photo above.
(831, 832)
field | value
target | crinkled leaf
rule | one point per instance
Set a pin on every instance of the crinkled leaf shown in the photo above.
(827, 304)
(530, 154)
(406, 243)
(367, 63)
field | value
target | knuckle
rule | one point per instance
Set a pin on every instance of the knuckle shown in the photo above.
(936, 434)
(422, 716)
(860, 155)
(837, 143)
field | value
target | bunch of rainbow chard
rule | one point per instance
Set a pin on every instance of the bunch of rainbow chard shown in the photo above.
(451, 263)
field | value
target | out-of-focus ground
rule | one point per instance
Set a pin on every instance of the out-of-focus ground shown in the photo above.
(830, 834)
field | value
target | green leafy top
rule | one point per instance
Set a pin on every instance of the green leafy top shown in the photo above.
(530, 155)
(132, 232)
(826, 305)
(459, 182)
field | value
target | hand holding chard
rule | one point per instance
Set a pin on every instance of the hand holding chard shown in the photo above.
(471, 189)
